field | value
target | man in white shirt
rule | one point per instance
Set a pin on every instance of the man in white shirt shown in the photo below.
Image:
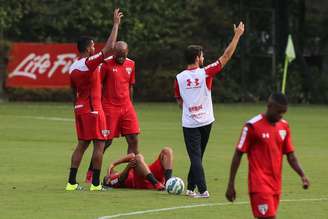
(193, 94)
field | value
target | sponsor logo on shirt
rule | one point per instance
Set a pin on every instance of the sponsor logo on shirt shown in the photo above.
(128, 70)
(282, 134)
(265, 135)
(263, 208)
(114, 69)
(193, 84)
(195, 108)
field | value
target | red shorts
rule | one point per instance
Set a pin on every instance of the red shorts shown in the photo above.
(264, 204)
(139, 182)
(121, 121)
(91, 126)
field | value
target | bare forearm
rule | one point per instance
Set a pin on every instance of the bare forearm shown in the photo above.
(229, 51)
(234, 166)
(110, 43)
(124, 159)
(293, 162)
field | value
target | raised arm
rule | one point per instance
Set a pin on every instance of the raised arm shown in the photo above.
(233, 44)
(110, 43)
(293, 162)
(231, 192)
(125, 173)
(124, 159)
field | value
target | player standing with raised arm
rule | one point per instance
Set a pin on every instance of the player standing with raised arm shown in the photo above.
(89, 116)
(118, 78)
(265, 138)
(193, 94)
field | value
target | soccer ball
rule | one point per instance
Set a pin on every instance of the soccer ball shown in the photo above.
(174, 185)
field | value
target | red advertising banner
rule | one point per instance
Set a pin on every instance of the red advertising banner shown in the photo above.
(41, 65)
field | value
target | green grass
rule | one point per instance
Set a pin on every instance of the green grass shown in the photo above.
(35, 158)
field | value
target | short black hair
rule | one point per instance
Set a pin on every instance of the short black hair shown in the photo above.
(83, 42)
(192, 52)
(279, 98)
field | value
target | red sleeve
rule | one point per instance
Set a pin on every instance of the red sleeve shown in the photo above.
(213, 69)
(133, 76)
(244, 142)
(288, 146)
(93, 61)
(176, 89)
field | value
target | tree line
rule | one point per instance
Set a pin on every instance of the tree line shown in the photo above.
(158, 31)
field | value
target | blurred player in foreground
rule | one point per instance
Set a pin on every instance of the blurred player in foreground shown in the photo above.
(265, 138)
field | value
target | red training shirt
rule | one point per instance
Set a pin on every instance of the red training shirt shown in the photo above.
(117, 80)
(265, 145)
(86, 82)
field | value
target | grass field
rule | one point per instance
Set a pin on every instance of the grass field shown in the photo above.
(37, 139)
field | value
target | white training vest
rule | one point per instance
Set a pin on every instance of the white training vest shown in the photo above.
(197, 98)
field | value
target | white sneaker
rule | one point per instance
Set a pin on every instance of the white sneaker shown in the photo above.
(190, 193)
(205, 194)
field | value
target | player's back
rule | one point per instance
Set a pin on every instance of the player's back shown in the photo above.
(80, 76)
(117, 80)
(197, 99)
(86, 83)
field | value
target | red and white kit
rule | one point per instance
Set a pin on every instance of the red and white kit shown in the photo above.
(89, 116)
(265, 145)
(116, 101)
(194, 87)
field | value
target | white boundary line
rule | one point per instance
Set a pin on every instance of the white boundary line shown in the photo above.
(202, 205)
(47, 118)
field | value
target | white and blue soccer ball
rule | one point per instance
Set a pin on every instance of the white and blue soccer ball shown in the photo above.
(174, 185)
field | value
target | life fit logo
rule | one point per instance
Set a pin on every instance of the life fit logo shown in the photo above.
(193, 84)
(34, 65)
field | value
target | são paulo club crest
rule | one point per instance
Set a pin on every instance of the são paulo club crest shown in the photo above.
(105, 132)
(282, 134)
(129, 70)
(263, 208)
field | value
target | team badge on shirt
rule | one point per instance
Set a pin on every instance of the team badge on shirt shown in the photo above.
(105, 132)
(263, 208)
(128, 70)
(282, 134)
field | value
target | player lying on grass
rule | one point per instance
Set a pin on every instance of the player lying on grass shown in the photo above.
(265, 138)
(138, 175)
